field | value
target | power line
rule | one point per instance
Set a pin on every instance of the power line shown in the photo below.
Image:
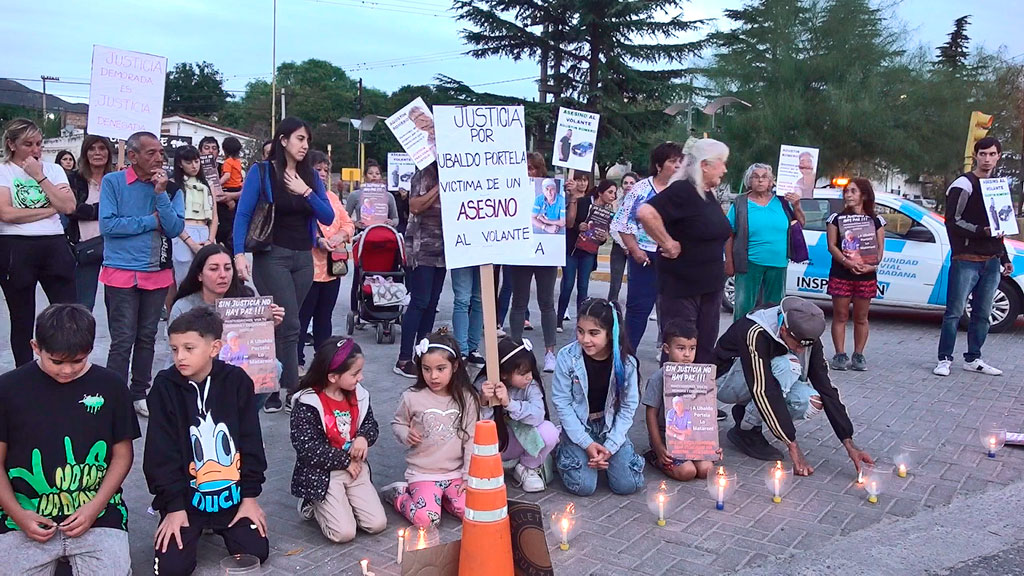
(504, 81)
(373, 4)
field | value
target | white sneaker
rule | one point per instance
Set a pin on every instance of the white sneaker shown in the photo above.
(306, 509)
(550, 362)
(501, 332)
(980, 366)
(141, 408)
(392, 491)
(529, 479)
(942, 369)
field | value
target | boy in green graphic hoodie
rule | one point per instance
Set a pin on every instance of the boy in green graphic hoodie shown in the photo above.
(66, 431)
(204, 459)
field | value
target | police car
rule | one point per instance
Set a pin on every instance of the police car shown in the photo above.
(913, 272)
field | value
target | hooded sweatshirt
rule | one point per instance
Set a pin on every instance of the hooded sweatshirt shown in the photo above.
(755, 340)
(204, 447)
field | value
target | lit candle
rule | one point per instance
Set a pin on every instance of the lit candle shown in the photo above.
(873, 492)
(720, 502)
(401, 545)
(860, 477)
(991, 446)
(365, 565)
(777, 483)
(421, 542)
(564, 525)
(661, 509)
(902, 471)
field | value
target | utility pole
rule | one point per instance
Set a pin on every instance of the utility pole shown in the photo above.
(44, 78)
(359, 114)
(273, 76)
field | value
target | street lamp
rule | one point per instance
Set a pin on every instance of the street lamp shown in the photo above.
(719, 103)
(365, 124)
(44, 78)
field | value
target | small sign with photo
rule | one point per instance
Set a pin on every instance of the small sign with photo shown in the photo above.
(691, 412)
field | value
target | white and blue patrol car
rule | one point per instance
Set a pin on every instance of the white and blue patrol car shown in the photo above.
(914, 269)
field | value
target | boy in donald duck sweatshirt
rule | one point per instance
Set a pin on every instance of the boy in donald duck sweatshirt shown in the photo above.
(204, 460)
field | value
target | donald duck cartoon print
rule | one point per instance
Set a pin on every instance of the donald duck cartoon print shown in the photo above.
(216, 464)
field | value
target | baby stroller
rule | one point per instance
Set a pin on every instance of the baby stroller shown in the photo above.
(378, 251)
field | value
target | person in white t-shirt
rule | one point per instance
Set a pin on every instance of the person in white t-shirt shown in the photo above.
(33, 248)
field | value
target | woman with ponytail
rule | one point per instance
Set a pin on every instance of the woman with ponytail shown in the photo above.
(596, 393)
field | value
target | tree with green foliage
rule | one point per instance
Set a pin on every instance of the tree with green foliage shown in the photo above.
(195, 89)
(953, 54)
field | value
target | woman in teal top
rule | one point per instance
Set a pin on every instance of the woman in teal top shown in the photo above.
(757, 253)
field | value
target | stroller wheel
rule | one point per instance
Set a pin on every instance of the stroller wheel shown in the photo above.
(350, 323)
(380, 333)
(391, 337)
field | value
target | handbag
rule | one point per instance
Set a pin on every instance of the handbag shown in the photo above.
(261, 226)
(797, 244)
(337, 264)
(89, 252)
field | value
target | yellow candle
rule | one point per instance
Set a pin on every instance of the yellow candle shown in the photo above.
(902, 472)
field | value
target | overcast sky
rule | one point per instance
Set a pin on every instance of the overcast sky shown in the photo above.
(388, 43)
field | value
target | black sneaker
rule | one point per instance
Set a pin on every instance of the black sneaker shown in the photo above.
(752, 443)
(273, 403)
(405, 369)
(475, 359)
(738, 410)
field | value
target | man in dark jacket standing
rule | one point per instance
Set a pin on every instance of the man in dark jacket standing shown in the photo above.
(769, 385)
(974, 267)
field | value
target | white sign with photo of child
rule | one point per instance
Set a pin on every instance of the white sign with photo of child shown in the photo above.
(999, 206)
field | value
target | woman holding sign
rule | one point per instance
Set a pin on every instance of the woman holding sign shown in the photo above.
(283, 268)
(856, 240)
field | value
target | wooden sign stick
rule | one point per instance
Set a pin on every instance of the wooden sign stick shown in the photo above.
(488, 295)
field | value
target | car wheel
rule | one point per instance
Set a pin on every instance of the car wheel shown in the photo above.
(1006, 307)
(729, 294)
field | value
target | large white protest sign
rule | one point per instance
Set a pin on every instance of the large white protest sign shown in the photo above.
(126, 92)
(575, 139)
(400, 171)
(413, 126)
(798, 168)
(486, 195)
(999, 206)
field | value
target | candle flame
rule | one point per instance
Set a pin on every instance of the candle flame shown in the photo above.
(992, 441)
(570, 508)
(661, 498)
(364, 563)
(721, 481)
(903, 467)
(721, 470)
(565, 525)
(401, 533)
(421, 542)
(778, 474)
(662, 487)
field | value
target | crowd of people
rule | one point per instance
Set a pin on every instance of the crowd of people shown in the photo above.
(145, 234)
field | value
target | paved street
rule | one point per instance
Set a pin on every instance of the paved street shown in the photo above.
(897, 400)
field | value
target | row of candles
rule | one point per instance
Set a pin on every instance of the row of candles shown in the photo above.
(721, 486)
(723, 483)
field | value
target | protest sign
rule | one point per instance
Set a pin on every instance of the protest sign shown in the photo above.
(413, 126)
(208, 164)
(400, 171)
(691, 411)
(798, 169)
(575, 139)
(485, 192)
(373, 203)
(548, 219)
(126, 92)
(598, 229)
(857, 238)
(999, 206)
(249, 339)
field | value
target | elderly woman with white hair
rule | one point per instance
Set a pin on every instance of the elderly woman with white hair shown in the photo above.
(690, 228)
(757, 253)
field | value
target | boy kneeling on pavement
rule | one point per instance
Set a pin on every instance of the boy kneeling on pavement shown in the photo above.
(66, 431)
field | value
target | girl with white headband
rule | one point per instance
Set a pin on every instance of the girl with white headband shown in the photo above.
(435, 421)
(525, 431)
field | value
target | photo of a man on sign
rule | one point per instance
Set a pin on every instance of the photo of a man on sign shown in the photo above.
(425, 123)
(548, 207)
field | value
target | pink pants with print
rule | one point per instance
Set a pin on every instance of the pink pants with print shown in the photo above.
(422, 502)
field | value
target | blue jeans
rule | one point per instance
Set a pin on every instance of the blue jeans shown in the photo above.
(733, 389)
(87, 279)
(641, 294)
(133, 315)
(505, 295)
(979, 280)
(425, 284)
(625, 468)
(468, 312)
(578, 267)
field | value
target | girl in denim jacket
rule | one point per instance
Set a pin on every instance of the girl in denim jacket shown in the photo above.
(596, 393)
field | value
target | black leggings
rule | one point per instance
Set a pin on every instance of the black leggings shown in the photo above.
(238, 539)
(24, 262)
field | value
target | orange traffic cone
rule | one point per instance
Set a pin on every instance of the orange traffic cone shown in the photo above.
(486, 532)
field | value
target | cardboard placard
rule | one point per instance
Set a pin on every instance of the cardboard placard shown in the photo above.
(413, 127)
(400, 171)
(575, 139)
(485, 191)
(691, 411)
(373, 203)
(598, 229)
(548, 208)
(440, 560)
(249, 339)
(208, 165)
(857, 238)
(126, 92)
(999, 206)
(798, 169)
(530, 552)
